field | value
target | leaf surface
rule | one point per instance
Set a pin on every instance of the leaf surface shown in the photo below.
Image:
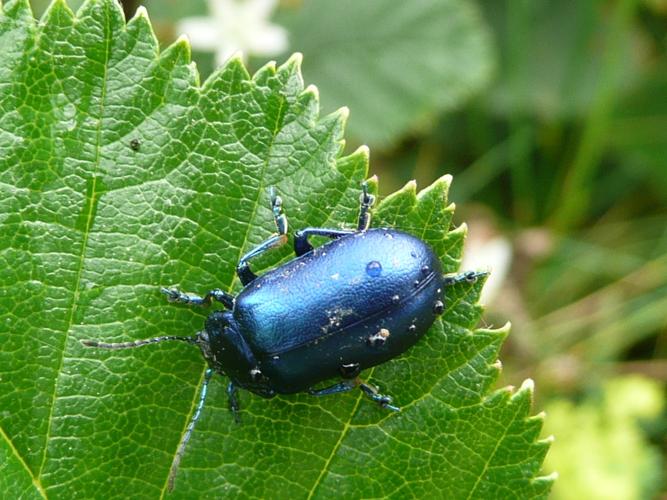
(121, 173)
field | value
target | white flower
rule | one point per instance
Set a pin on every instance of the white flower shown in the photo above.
(236, 25)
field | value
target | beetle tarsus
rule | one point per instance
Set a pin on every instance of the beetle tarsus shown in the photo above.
(467, 277)
(381, 399)
(367, 200)
(277, 208)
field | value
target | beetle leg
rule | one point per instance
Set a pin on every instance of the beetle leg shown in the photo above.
(190, 428)
(348, 385)
(344, 386)
(468, 277)
(301, 244)
(279, 216)
(243, 268)
(233, 395)
(367, 201)
(381, 399)
(174, 295)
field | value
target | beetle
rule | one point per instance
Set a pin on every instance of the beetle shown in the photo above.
(357, 301)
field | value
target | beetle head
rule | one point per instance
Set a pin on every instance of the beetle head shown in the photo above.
(226, 351)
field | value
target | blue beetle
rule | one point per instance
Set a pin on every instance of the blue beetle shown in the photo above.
(353, 303)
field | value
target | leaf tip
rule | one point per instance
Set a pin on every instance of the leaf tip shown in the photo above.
(443, 182)
(462, 228)
(295, 60)
(181, 40)
(549, 477)
(141, 12)
(236, 59)
(343, 113)
(526, 390)
(363, 150)
(270, 66)
(18, 9)
(182, 43)
(313, 91)
(55, 9)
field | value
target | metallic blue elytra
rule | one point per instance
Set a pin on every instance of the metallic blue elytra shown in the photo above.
(355, 302)
(361, 299)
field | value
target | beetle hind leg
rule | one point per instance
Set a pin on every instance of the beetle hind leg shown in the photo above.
(344, 386)
(347, 385)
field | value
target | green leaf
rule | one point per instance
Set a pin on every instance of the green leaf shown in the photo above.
(397, 65)
(121, 173)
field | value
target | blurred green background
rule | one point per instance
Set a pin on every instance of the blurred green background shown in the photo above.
(552, 118)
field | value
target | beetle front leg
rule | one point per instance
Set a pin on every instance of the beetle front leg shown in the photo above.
(243, 268)
(174, 295)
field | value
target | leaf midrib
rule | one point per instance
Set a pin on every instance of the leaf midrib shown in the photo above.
(91, 201)
(276, 130)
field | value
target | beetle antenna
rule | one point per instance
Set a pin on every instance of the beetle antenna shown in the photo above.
(188, 432)
(138, 343)
(467, 277)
